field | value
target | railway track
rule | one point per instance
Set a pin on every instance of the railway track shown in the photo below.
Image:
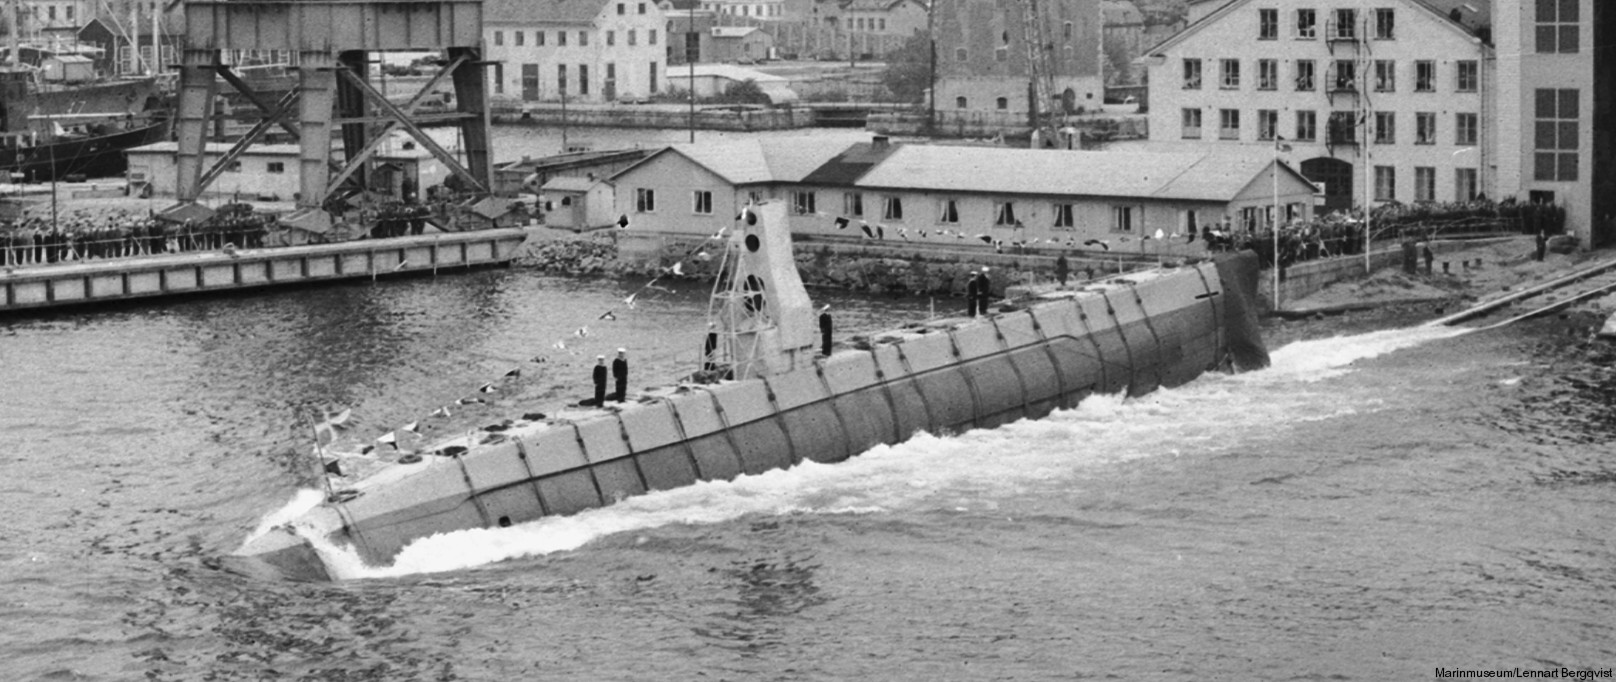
(1583, 285)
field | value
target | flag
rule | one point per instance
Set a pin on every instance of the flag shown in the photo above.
(608, 315)
(841, 223)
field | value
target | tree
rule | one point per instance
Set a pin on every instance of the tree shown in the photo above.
(746, 92)
(908, 73)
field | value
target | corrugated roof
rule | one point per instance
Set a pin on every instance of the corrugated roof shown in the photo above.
(542, 11)
(568, 183)
(1217, 176)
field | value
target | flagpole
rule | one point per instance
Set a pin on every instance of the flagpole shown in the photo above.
(1273, 224)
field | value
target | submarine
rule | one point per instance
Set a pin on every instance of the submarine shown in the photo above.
(774, 400)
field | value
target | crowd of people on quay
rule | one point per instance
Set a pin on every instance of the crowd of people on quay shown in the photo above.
(118, 233)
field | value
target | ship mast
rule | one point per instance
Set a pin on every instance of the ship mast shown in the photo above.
(13, 45)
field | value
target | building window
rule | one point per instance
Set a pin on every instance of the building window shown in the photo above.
(1385, 75)
(1004, 214)
(1066, 31)
(561, 38)
(642, 8)
(1304, 75)
(892, 208)
(1307, 125)
(1385, 183)
(644, 200)
(959, 102)
(853, 204)
(1346, 76)
(583, 39)
(650, 37)
(652, 86)
(538, 38)
(631, 33)
(1346, 24)
(1425, 76)
(948, 213)
(1557, 134)
(622, 9)
(1465, 125)
(499, 78)
(1268, 24)
(1425, 127)
(1424, 183)
(1557, 26)
(1267, 124)
(1063, 216)
(1192, 74)
(1341, 128)
(1001, 53)
(959, 54)
(1268, 74)
(1001, 103)
(583, 79)
(1385, 23)
(276, 167)
(611, 38)
(499, 38)
(1307, 24)
(1464, 181)
(1385, 127)
(1231, 74)
(519, 36)
(561, 77)
(1228, 124)
(1467, 75)
(703, 198)
(1122, 218)
(802, 202)
(1192, 124)
(234, 167)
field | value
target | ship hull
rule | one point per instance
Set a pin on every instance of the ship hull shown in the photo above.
(1132, 338)
(93, 157)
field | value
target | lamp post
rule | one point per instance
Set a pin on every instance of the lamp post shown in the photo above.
(690, 60)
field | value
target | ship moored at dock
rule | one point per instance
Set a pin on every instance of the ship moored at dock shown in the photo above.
(772, 400)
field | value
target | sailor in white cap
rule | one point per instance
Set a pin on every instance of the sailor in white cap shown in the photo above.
(620, 373)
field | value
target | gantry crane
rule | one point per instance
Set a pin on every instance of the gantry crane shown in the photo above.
(1040, 72)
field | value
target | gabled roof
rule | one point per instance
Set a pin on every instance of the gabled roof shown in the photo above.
(754, 161)
(1431, 7)
(543, 11)
(569, 183)
(874, 5)
(1216, 176)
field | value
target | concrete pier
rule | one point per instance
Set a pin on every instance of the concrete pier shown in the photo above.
(116, 279)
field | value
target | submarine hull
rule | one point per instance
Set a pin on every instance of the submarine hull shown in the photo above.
(1162, 328)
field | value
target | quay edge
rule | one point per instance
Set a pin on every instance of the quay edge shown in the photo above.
(40, 287)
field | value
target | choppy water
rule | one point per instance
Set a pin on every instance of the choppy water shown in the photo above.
(1374, 506)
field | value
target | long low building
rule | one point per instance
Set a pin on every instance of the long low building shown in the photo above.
(974, 195)
(269, 171)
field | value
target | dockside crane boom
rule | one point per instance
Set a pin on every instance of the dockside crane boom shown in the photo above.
(1040, 72)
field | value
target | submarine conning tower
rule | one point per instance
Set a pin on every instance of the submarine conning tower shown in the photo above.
(764, 313)
(331, 41)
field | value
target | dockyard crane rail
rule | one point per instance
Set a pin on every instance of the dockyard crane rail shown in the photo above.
(332, 41)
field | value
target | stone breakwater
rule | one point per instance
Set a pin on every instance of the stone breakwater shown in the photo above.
(819, 266)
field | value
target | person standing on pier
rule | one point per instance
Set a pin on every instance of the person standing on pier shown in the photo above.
(620, 373)
(1063, 269)
(824, 331)
(600, 380)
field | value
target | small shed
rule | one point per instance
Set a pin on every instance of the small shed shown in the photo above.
(68, 68)
(743, 44)
(576, 202)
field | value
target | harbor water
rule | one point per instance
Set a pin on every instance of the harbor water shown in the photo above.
(1374, 506)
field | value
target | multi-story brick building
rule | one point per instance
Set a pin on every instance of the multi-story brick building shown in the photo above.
(589, 50)
(1401, 100)
(982, 57)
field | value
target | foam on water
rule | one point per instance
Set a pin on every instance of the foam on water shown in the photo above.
(962, 471)
(301, 503)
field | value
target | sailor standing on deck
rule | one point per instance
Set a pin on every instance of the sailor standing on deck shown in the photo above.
(620, 373)
(984, 291)
(600, 380)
